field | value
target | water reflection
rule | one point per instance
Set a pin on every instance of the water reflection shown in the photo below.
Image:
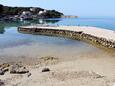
(2, 30)
(51, 21)
(6, 24)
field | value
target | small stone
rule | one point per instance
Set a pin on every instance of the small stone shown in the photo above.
(46, 70)
(29, 74)
(1, 72)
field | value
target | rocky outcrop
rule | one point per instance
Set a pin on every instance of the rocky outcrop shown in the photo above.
(13, 69)
(70, 34)
(17, 69)
(4, 68)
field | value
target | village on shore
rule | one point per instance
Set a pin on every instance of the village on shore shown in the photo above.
(29, 13)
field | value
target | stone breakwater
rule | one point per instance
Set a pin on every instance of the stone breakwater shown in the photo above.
(94, 36)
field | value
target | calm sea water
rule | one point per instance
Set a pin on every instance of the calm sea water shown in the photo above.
(14, 44)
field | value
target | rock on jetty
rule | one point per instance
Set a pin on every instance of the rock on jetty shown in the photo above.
(92, 35)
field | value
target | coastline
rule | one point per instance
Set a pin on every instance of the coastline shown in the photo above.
(92, 35)
(83, 69)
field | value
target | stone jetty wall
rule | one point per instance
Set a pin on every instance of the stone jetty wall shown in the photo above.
(70, 34)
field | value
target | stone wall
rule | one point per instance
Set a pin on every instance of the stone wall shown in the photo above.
(70, 34)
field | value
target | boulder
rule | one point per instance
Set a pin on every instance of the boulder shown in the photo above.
(1, 72)
(4, 68)
(18, 69)
(2, 83)
(45, 70)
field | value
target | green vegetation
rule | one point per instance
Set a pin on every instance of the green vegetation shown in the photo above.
(6, 10)
(52, 14)
(1, 9)
(11, 11)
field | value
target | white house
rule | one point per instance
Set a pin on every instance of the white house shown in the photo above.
(41, 12)
(26, 15)
(33, 9)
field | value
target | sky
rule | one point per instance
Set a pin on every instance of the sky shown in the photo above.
(82, 8)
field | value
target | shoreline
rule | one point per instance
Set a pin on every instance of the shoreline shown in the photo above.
(92, 35)
(85, 69)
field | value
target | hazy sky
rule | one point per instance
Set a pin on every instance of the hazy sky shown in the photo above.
(105, 8)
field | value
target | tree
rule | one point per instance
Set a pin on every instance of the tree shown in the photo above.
(1, 9)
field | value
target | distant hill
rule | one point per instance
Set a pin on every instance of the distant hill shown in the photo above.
(37, 12)
(69, 16)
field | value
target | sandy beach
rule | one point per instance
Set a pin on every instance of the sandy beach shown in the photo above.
(80, 72)
(57, 43)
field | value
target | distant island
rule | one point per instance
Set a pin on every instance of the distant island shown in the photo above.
(27, 13)
(69, 16)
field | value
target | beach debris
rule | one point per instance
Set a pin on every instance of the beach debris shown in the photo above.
(18, 69)
(45, 70)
